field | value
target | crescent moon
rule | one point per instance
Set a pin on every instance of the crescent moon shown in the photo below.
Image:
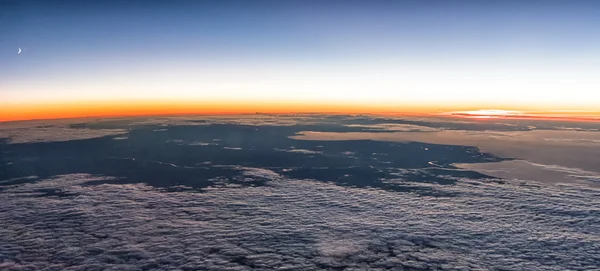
(19, 51)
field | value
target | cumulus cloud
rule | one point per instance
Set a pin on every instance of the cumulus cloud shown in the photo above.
(297, 225)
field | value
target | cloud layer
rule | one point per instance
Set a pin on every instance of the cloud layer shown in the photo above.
(63, 223)
(270, 202)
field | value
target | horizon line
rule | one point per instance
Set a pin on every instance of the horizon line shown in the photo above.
(449, 114)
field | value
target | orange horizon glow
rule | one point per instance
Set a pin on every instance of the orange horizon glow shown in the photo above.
(21, 112)
(154, 108)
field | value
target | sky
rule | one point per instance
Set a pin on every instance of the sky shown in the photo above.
(83, 58)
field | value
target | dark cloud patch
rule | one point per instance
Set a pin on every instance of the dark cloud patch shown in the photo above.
(177, 156)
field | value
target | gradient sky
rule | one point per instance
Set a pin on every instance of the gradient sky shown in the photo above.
(523, 55)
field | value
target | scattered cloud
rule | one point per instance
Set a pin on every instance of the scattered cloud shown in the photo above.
(573, 149)
(55, 134)
(521, 169)
(199, 143)
(486, 113)
(511, 114)
(395, 127)
(303, 151)
(248, 119)
(261, 172)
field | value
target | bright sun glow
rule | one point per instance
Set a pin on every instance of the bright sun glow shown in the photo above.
(491, 112)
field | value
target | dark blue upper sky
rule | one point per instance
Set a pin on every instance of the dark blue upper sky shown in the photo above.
(290, 27)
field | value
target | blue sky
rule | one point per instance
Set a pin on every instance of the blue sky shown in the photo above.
(71, 49)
